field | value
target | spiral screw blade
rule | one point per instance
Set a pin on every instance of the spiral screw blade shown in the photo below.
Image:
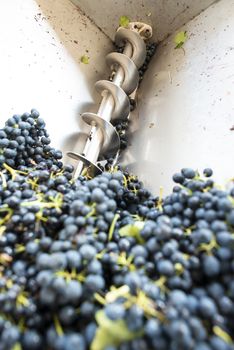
(103, 140)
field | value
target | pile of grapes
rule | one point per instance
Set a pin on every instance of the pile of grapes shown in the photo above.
(101, 263)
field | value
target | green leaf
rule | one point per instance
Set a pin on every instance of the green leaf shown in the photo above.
(17, 346)
(84, 59)
(180, 39)
(102, 339)
(111, 333)
(124, 21)
(133, 230)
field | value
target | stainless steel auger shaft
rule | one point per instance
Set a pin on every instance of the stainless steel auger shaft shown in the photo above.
(103, 140)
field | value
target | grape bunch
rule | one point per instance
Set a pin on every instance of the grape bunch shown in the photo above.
(101, 263)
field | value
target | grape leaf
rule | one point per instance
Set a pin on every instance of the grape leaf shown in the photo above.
(133, 230)
(102, 339)
(85, 59)
(124, 21)
(111, 333)
(17, 346)
(180, 39)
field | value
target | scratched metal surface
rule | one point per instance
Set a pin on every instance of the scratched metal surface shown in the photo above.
(164, 16)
